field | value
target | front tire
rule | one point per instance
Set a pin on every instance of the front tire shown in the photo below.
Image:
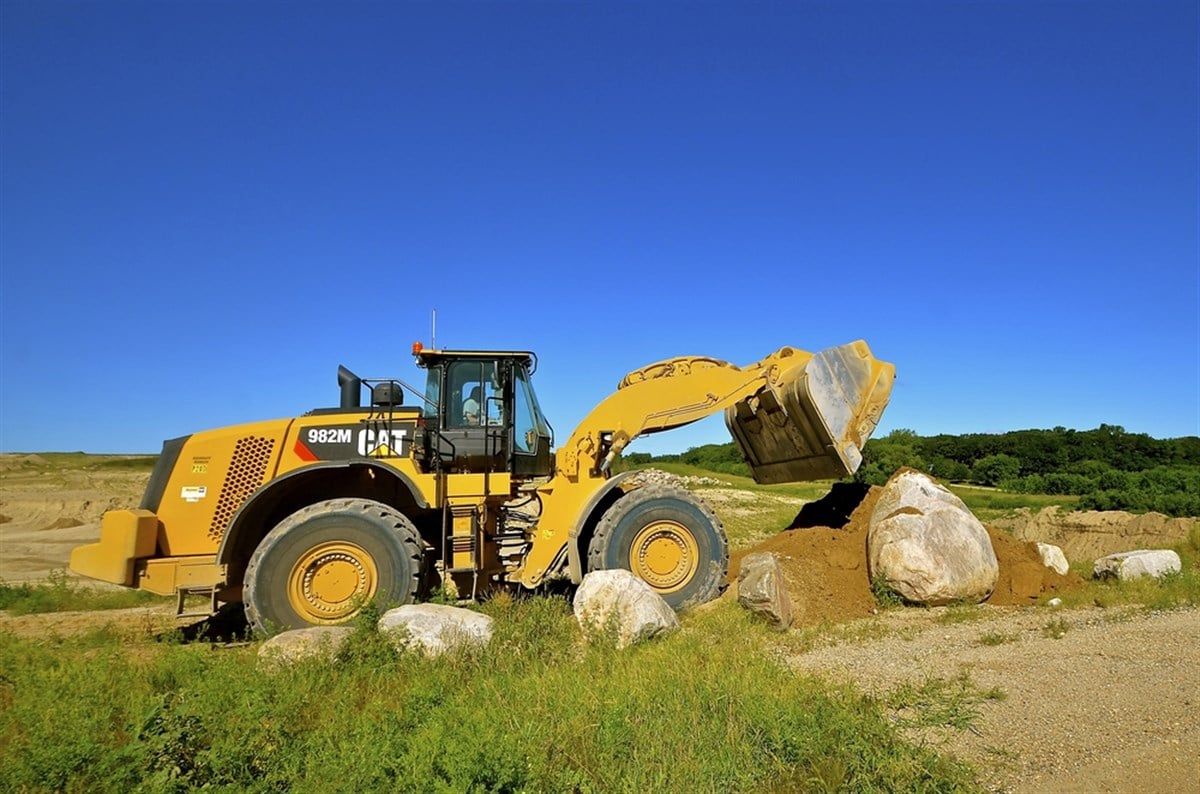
(669, 539)
(322, 564)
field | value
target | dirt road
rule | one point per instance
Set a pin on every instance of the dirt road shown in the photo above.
(1088, 700)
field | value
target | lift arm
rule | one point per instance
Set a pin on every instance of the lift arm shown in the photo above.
(795, 415)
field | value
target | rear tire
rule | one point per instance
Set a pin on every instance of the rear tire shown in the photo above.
(669, 539)
(322, 564)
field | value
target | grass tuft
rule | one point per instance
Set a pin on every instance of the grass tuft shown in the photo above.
(885, 596)
(1056, 629)
(940, 703)
(993, 638)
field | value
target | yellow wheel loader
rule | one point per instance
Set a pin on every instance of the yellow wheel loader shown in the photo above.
(304, 520)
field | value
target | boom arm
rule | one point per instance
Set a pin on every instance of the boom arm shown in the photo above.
(795, 415)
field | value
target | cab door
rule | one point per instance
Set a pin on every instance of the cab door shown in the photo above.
(475, 429)
(532, 436)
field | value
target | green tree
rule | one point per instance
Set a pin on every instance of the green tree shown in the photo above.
(882, 457)
(995, 469)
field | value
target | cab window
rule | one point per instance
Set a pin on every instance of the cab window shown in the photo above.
(472, 397)
(528, 424)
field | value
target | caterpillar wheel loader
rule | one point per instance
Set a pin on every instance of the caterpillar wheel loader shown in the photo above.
(305, 519)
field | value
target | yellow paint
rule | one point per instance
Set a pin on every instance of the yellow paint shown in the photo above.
(331, 581)
(665, 555)
(125, 535)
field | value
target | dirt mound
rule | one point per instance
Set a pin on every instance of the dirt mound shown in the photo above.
(823, 555)
(1023, 577)
(48, 512)
(10, 461)
(1086, 535)
(824, 568)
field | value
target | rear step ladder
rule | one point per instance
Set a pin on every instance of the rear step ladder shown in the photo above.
(462, 543)
(182, 594)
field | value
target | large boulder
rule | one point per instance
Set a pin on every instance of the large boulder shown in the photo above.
(616, 600)
(292, 646)
(761, 590)
(927, 546)
(1135, 564)
(434, 629)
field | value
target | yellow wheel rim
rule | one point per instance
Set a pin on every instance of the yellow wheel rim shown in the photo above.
(664, 554)
(331, 581)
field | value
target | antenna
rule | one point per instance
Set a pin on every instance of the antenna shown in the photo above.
(433, 331)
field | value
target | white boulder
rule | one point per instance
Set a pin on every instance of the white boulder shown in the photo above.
(619, 601)
(434, 629)
(927, 546)
(292, 646)
(1053, 558)
(1134, 564)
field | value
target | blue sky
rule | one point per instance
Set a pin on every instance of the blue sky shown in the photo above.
(206, 207)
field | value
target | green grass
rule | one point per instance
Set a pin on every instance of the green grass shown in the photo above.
(1056, 628)
(61, 594)
(1172, 591)
(885, 596)
(991, 503)
(940, 703)
(802, 490)
(537, 710)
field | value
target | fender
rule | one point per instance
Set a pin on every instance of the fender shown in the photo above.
(284, 495)
(585, 523)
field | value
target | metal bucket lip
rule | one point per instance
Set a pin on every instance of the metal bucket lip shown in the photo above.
(811, 421)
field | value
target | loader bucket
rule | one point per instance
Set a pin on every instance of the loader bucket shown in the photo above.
(813, 418)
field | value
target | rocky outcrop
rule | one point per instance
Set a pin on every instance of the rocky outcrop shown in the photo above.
(761, 589)
(927, 546)
(434, 629)
(1136, 564)
(620, 602)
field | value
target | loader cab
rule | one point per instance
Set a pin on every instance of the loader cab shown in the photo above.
(483, 414)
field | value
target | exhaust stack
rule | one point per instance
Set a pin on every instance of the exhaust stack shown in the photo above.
(351, 387)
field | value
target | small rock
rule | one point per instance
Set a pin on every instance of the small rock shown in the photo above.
(1054, 602)
(292, 646)
(435, 629)
(635, 610)
(760, 589)
(1053, 558)
(1134, 564)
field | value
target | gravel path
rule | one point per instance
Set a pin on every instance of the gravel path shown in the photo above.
(1093, 700)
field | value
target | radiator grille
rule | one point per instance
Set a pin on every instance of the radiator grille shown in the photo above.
(251, 457)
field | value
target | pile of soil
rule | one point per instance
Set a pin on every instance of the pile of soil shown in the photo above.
(823, 556)
(1023, 577)
(824, 565)
(1088, 534)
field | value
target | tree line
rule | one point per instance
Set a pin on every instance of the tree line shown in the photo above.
(1107, 468)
